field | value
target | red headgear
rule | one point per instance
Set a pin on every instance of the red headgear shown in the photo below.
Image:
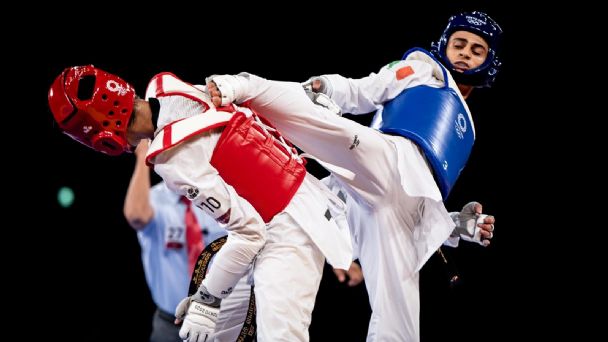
(93, 107)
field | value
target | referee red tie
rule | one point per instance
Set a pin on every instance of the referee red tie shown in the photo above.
(194, 235)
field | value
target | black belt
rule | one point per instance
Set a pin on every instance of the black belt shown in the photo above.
(165, 315)
(248, 331)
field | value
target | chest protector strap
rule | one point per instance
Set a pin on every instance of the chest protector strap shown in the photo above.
(438, 121)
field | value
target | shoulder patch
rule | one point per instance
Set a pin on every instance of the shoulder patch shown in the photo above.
(404, 72)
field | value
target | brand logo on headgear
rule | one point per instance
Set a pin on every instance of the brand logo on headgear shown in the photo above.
(475, 21)
(114, 87)
(460, 125)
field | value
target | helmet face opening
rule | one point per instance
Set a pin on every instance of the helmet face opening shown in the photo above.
(86, 87)
(93, 107)
(480, 24)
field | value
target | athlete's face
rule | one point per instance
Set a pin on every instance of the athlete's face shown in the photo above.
(140, 125)
(466, 50)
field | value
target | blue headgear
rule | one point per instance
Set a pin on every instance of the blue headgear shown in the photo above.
(482, 25)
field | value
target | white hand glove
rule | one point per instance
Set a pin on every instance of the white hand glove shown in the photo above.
(200, 319)
(321, 94)
(318, 84)
(467, 222)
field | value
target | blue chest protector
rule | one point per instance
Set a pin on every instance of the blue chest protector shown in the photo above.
(436, 120)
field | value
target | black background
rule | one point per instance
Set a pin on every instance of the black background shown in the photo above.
(89, 261)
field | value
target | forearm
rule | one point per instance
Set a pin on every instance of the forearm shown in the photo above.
(353, 96)
(231, 263)
(137, 207)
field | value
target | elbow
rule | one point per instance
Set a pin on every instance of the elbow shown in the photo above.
(137, 218)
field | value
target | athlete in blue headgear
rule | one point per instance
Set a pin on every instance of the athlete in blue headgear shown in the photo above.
(483, 26)
(395, 175)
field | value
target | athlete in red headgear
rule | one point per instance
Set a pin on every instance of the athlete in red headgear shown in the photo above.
(238, 170)
(93, 107)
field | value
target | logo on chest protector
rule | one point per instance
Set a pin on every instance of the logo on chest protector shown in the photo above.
(460, 125)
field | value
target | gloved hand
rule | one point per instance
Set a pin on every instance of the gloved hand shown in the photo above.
(318, 84)
(472, 225)
(199, 313)
(319, 92)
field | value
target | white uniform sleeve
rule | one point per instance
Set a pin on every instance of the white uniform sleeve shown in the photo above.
(187, 171)
(454, 238)
(367, 94)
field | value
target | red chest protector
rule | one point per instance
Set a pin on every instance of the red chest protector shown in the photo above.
(258, 165)
(249, 155)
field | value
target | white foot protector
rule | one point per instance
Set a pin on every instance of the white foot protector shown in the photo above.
(228, 85)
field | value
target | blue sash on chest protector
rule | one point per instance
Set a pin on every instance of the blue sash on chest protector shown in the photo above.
(436, 120)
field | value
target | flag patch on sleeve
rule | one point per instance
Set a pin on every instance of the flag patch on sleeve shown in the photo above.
(404, 72)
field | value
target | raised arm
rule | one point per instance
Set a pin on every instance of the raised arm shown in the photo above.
(137, 207)
(367, 94)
